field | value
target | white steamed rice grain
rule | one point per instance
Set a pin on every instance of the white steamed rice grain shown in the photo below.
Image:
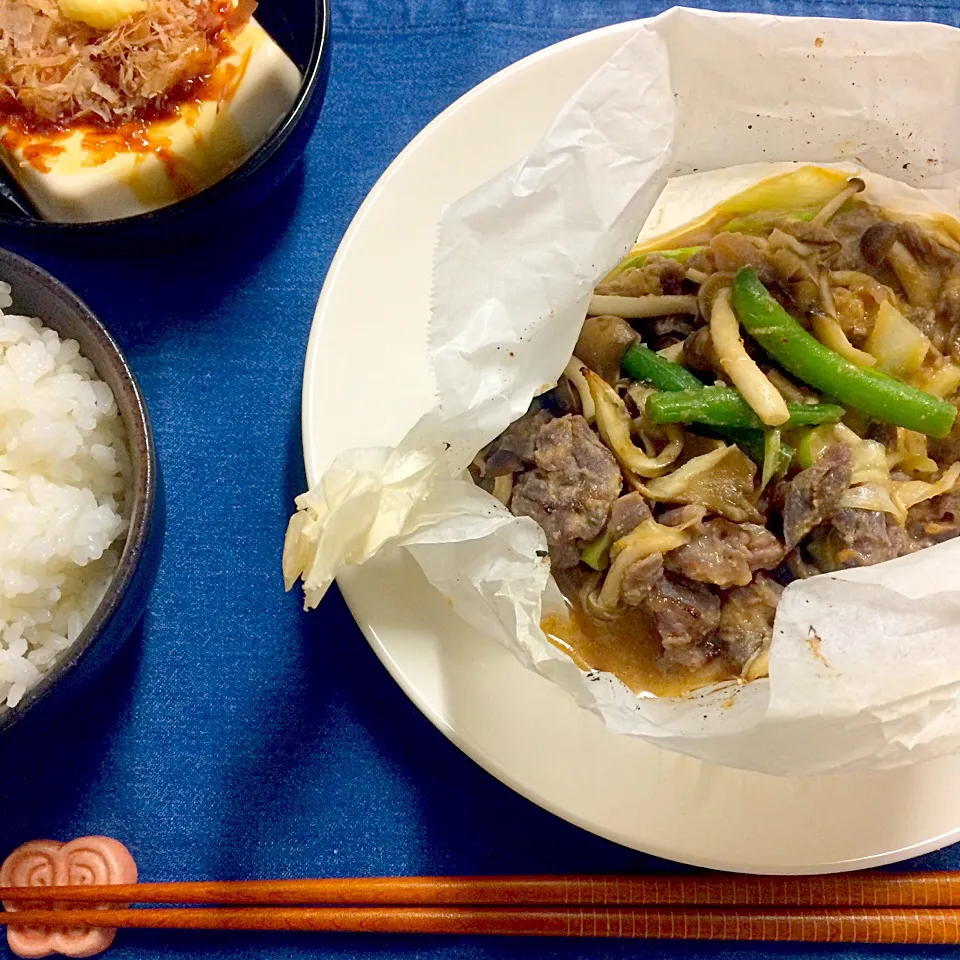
(64, 475)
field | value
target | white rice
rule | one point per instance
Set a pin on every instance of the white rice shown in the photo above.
(64, 474)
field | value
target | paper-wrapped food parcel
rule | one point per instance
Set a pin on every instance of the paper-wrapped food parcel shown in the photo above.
(759, 406)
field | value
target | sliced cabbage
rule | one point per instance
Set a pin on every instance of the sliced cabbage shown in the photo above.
(871, 486)
(911, 454)
(869, 462)
(898, 346)
(908, 493)
(942, 380)
(721, 481)
(862, 284)
(873, 496)
(811, 442)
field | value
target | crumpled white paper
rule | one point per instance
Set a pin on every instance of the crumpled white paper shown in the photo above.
(865, 664)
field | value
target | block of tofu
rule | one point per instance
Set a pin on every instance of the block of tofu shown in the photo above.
(86, 174)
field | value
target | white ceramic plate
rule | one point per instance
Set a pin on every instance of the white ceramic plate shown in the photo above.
(367, 381)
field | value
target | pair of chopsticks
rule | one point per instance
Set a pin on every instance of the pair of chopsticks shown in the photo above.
(850, 908)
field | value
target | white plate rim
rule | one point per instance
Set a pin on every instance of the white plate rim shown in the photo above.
(354, 594)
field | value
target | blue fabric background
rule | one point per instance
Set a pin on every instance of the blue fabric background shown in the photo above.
(238, 737)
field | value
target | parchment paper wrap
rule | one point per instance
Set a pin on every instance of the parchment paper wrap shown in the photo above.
(690, 92)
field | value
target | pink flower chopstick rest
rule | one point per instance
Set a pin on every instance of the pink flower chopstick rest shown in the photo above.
(44, 863)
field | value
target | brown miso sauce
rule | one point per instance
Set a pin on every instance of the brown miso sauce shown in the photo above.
(628, 647)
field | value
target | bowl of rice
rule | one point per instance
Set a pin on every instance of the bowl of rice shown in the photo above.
(80, 523)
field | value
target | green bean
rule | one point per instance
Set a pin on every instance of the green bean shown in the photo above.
(753, 444)
(862, 388)
(723, 407)
(642, 363)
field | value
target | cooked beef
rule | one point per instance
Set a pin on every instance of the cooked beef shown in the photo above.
(856, 538)
(944, 324)
(658, 275)
(688, 657)
(561, 400)
(807, 232)
(746, 622)
(931, 325)
(626, 514)
(865, 537)
(852, 315)
(726, 553)
(924, 247)
(731, 251)
(796, 566)
(699, 352)
(502, 462)
(673, 327)
(849, 226)
(689, 514)
(946, 451)
(949, 304)
(670, 274)
(603, 342)
(518, 440)
(702, 261)
(686, 615)
(813, 495)
(885, 433)
(936, 520)
(641, 578)
(571, 490)
(632, 282)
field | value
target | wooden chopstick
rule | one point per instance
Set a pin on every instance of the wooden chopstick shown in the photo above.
(836, 925)
(933, 889)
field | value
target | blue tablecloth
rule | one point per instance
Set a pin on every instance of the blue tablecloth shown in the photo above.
(238, 737)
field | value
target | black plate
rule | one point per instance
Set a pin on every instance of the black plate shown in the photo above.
(302, 29)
